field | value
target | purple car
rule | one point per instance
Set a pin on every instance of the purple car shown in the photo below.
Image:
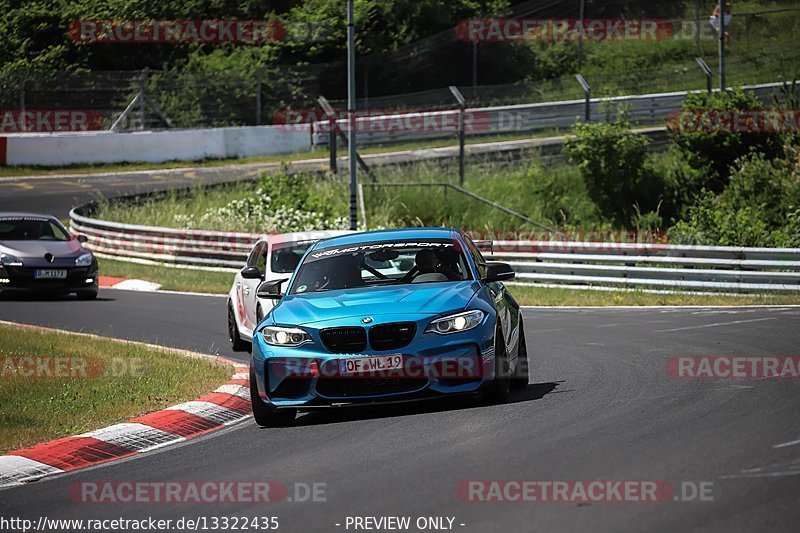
(38, 254)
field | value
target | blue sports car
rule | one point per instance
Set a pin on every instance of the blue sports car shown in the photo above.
(386, 316)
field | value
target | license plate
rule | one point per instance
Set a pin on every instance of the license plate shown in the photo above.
(50, 274)
(374, 363)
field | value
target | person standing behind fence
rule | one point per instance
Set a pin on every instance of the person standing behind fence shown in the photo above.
(727, 17)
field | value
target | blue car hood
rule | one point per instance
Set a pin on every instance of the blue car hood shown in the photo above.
(422, 299)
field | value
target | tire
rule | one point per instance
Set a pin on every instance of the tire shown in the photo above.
(500, 389)
(259, 315)
(265, 415)
(521, 373)
(87, 295)
(237, 343)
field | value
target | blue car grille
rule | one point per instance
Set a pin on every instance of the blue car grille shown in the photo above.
(391, 336)
(345, 340)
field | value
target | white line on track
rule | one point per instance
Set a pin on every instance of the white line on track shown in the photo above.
(717, 324)
(787, 444)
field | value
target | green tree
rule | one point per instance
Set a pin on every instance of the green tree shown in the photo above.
(616, 167)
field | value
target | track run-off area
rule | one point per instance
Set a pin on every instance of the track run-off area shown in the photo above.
(603, 404)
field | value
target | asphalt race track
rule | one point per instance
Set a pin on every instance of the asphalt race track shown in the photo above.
(601, 406)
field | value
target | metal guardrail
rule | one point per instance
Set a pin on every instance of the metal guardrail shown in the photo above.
(513, 119)
(588, 264)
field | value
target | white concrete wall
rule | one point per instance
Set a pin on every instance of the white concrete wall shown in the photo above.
(58, 149)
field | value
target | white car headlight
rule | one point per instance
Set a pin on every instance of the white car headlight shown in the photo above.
(286, 337)
(9, 260)
(84, 261)
(456, 323)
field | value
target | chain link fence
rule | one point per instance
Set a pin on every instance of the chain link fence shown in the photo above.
(253, 96)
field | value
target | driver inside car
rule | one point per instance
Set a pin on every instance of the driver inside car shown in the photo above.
(429, 267)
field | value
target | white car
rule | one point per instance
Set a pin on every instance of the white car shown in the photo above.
(273, 258)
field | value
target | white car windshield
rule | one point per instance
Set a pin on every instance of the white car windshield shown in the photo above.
(286, 256)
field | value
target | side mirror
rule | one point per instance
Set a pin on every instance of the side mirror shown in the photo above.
(271, 290)
(83, 239)
(499, 272)
(252, 273)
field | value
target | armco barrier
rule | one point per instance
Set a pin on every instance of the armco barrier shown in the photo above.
(723, 269)
(515, 119)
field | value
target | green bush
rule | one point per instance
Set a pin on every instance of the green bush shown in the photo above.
(709, 147)
(760, 207)
(616, 167)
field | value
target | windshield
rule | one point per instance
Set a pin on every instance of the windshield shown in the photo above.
(286, 256)
(384, 263)
(31, 229)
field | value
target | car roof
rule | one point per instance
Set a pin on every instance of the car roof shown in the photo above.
(21, 214)
(301, 236)
(388, 235)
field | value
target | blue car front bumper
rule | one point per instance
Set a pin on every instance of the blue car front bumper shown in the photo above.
(311, 376)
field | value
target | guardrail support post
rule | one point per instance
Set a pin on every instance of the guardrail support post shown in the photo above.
(22, 113)
(142, 107)
(588, 91)
(259, 81)
(462, 133)
(708, 73)
(333, 144)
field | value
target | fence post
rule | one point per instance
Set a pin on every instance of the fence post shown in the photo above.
(475, 63)
(259, 81)
(462, 133)
(588, 91)
(22, 121)
(697, 26)
(333, 144)
(580, 34)
(707, 72)
(142, 106)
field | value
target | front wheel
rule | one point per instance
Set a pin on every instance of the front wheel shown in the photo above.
(87, 295)
(237, 343)
(521, 374)
(500, 389)
(265, 415)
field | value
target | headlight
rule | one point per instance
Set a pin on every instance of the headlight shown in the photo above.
(456, 323)
(287, 337)
(84, 261)
(9, 260)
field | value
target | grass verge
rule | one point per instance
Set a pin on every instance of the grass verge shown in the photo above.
(99, 382)
(536, 296)
(320, 153)
(170, 279)
(220, 283)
